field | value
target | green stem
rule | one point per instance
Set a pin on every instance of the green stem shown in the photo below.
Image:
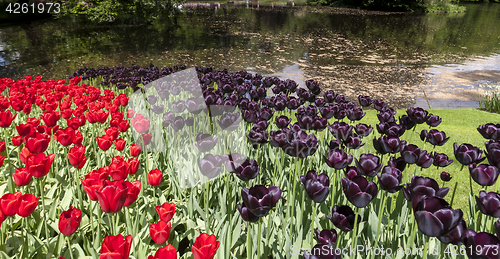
(42, 191)
(380, 213)
(313, 221)
(111, 224)
(69, 248)
(426, 247)
(259, 237)
(355, 231)
(249, 243)
(207, 222)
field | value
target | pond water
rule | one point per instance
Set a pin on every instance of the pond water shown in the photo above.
(396, 57)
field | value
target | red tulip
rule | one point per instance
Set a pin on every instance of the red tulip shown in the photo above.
(65, 136)
(154, 177)
(140, 123)
(77, 140)
(33, 122)
(134, 165)
(6, 118)
(2, 146)
(22, 176)
(2, 158)
(146, 138)
(134, 188)
(50, 118)
(135, 150)
(123, 126)
(112, 196)
(205, 246)
(91, 185)
(2, 217)
(104, 142)
(24, 154)
(130, 113)
(9, 203)
(115, 247)
(166, 211)
(67, 113)
(47, 130)
(69, 221)
(160, 231)
(76, 156)
(17, 140)
(39, 164)
(167, 252)
(37, 143)
(112, 132)
(94, 116)
(27, 204)
(120, 144)
(24, 129)
(119, 168)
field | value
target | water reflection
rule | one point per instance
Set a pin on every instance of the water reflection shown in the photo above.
(352, 52)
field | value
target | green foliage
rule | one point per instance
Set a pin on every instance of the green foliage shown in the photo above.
(109, 10)
(490, 100)
(394, 5)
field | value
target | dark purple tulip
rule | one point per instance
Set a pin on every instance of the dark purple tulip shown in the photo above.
(423, 186)
(301, 145)
(364, 100)
(489, 131)
(483, 174)
(379, 105)
(386, 116)
(391, 129)
(411, 153)
(417, 115)
(229, 121)
(493, 152)
(316, 186)
(355, 114)
(246, 171)
(313, 86)
(210, 165)
(177, 123)
(294, 103)
(343, 217)
(425, 160)
(339, 98)
(340, 130)
(295, 127)
(489, 203)
(232, 161)
(320, 102)
(388, 144)
(157, 108)
(243, 104)
(178, 106)
(337, 159)
(446, 177)
(433, 120)
(354, 142)
(482, 245)
(305, 121)
(279, 104)
(205, 142)
(329, 96)
(398, 163)
(246, 214)
(279, 138)
(359, 191)
(266, 113)
(249, 115)
(435, 217)
(339, 114)
(406, 122)
(258, 136)
(260, 200)
(441, 160)
(351, 171)
(467, 154)
(194, 105)
(368, 164)
(152, 99)
(334, 144)
(326, 236)
(327, 112)
(390, 179)
(423, 135)
(363, 129)
(456, 235)
(437, 138)
(260, 123)
(320, 124)
(282, 121)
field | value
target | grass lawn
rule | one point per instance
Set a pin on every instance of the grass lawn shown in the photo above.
(461, 126)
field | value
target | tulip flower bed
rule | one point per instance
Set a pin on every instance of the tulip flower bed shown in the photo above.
(143, 168)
